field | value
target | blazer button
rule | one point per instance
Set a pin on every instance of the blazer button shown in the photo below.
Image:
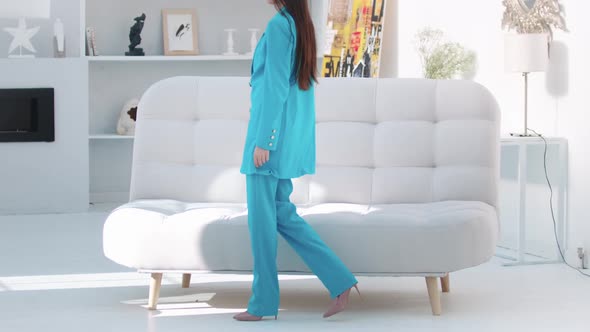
(269, 144)
(272, 137)
(274, 131)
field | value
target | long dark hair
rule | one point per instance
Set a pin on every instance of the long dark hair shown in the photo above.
(306, 57)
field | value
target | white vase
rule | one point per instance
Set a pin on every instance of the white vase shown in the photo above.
(59, 40)
(230, 42)
(253, 40)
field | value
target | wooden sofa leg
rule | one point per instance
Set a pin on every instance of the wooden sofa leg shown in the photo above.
(434, 294)
(186, 280)
(155, 284)
(445, 283)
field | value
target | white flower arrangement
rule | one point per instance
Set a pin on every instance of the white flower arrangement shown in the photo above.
(442, 59)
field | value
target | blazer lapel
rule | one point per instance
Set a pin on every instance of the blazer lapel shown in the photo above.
(255, 49)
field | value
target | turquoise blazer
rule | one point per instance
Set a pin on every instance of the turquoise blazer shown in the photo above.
(282, 116)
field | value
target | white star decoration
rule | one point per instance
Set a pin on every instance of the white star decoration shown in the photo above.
(22, 36)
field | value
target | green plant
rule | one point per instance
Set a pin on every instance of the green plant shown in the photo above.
(442, 59)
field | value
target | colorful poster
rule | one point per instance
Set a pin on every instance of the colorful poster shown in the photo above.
(353, 38)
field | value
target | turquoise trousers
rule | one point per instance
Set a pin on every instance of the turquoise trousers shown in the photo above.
(270, 211)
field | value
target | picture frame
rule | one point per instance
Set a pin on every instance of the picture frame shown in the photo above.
(180, 32)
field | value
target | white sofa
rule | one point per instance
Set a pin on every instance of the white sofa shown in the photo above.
(406, 182)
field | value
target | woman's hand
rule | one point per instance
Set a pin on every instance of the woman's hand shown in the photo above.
(261, 156)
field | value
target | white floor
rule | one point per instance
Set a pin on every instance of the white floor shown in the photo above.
(53, 277)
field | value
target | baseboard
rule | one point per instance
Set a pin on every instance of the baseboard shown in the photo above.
(109, 197)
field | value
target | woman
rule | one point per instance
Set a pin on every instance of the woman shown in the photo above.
(280, 145)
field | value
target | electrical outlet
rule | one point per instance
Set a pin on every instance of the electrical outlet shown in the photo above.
(582, 258)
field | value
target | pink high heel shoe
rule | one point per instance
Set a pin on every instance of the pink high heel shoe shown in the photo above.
(246, 317)
(340, 302)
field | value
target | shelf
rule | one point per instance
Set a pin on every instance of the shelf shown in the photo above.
(510, 140)
(115, 58)
(168, 58)
(39, 59)
(110, 137)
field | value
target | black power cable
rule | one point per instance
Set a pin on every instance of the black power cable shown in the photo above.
(551, 205)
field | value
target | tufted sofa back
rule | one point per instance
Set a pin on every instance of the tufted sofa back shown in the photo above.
(379, 141)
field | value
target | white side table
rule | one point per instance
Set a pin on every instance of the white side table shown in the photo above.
(559, 189)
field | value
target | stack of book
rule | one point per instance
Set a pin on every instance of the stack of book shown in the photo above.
(91, 42)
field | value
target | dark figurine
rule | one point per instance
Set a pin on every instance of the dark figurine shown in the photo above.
(133, 113)
(135, 38)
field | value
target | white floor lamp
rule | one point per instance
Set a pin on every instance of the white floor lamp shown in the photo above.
(22, 35)
(526, 53)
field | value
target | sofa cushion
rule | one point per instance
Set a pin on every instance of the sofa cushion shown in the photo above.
(189, 141)
(382, 238)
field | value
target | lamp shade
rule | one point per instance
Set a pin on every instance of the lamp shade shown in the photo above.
(25, 8)
(526, 52)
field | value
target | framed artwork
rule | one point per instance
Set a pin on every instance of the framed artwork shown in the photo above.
(180, 32)
(353, 38)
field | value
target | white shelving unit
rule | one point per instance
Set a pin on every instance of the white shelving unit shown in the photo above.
(110, 137)
(169, 58)
(526, 220)
(114, 78)
(154, 58)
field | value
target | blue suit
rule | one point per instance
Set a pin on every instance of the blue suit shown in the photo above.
(282, 116)
(282, 120)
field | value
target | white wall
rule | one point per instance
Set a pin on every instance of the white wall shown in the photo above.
(48, 177)
(571, 116)
(389, 52)
(67, 10)
(557, 98)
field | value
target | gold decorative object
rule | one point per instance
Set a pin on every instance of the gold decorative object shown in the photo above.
(533, 16)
